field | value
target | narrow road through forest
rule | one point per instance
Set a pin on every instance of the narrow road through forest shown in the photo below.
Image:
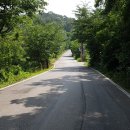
(69, 97)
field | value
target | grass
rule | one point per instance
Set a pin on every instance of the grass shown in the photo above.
(22, 76)
(121, 78)
(25, 75)
(79, 59)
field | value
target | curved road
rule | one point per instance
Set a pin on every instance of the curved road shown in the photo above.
(69, 97)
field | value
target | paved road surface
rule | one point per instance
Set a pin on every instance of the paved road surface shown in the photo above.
(69, 97)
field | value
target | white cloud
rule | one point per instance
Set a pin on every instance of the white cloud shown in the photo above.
(65, 7)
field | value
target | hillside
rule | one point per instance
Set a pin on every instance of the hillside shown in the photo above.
(59, 19)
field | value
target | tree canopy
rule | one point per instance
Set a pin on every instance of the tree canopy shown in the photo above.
(10, 10)
(105, 34)
(27, 42)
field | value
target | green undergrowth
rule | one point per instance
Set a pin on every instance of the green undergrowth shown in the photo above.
(121, 78)
(78, 59)
(25, 75)
(22, 76)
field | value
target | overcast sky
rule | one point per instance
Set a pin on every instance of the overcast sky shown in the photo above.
(66, 7)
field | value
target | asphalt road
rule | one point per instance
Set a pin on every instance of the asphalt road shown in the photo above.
(69, 97)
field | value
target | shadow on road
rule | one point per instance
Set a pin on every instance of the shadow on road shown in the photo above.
(92, 83)
(42, 104)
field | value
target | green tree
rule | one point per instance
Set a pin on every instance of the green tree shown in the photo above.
(10, 10)
(75, 49)
(80, 26)
(43, 41)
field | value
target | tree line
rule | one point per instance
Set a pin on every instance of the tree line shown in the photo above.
(104, 33)
(27, 42)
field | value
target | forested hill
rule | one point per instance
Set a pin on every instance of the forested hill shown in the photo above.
(59, 19)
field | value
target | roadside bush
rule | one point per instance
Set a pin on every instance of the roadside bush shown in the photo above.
(75, 49)
(3, 75)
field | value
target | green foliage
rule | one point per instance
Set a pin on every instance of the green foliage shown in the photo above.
(43, 42)
(81, 23)
(75, 48)
(6, 74)
(79, 60)
(10, 10)
(63, 21)
(11, 57)
(30, 46)
(11, 52)
(105, 33)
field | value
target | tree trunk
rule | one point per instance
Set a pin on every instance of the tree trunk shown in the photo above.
(41, 66)
(82, 52)
(47, 63)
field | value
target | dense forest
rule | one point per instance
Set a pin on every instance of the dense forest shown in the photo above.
(29, 38)
(103, 36)
(64, 21)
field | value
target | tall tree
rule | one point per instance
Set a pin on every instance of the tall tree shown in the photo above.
(10, 10)
(80, 25)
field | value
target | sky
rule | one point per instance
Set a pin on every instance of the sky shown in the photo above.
(66, 7)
